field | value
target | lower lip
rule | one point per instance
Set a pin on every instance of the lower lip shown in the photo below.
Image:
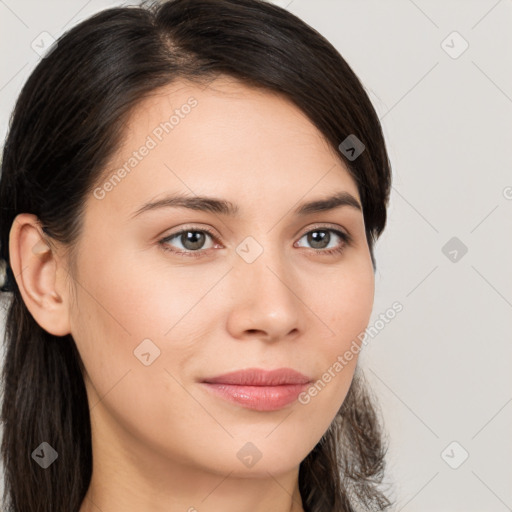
(259, 398)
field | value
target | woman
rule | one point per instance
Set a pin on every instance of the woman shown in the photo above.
(191, 193)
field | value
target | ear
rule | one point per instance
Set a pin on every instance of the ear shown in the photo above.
(39, 274)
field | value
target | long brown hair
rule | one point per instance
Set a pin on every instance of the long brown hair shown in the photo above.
(69, 120)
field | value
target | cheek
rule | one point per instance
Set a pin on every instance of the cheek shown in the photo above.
(346, 309)
(128, 315)
(115, 325)
(347, 303)
(353, 307)
(351, 319)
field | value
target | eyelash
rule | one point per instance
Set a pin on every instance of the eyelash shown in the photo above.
(345, 237)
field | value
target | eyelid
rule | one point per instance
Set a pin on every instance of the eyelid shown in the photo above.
(194, 227)
(326, 225)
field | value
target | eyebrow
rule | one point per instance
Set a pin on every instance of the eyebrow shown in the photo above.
(225, 207)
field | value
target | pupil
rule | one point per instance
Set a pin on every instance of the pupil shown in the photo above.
(321, 237)
(192, 240)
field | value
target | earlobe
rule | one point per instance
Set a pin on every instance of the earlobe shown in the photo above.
(35, 266)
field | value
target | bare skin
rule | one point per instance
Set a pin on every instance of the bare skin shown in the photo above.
(161, 441)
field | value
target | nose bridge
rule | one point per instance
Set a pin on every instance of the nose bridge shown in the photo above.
(265, 296)
(263, 264)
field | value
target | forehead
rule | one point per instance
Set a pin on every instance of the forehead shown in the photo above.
(226, 139)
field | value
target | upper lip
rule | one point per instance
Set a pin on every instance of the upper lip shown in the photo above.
(260, 377)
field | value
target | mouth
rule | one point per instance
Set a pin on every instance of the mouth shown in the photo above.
(259, 389)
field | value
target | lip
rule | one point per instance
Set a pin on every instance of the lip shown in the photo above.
(258, 389)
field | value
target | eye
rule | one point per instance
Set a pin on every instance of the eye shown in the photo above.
(192, 241)
(320, 238)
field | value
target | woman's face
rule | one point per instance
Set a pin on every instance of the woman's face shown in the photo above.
(156, 313)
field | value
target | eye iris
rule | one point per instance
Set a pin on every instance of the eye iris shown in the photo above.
(322, 237)
(192, 240)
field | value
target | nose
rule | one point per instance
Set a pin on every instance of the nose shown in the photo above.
(267, 302)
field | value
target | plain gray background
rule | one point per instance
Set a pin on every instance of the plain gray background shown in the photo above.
(442, 367)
